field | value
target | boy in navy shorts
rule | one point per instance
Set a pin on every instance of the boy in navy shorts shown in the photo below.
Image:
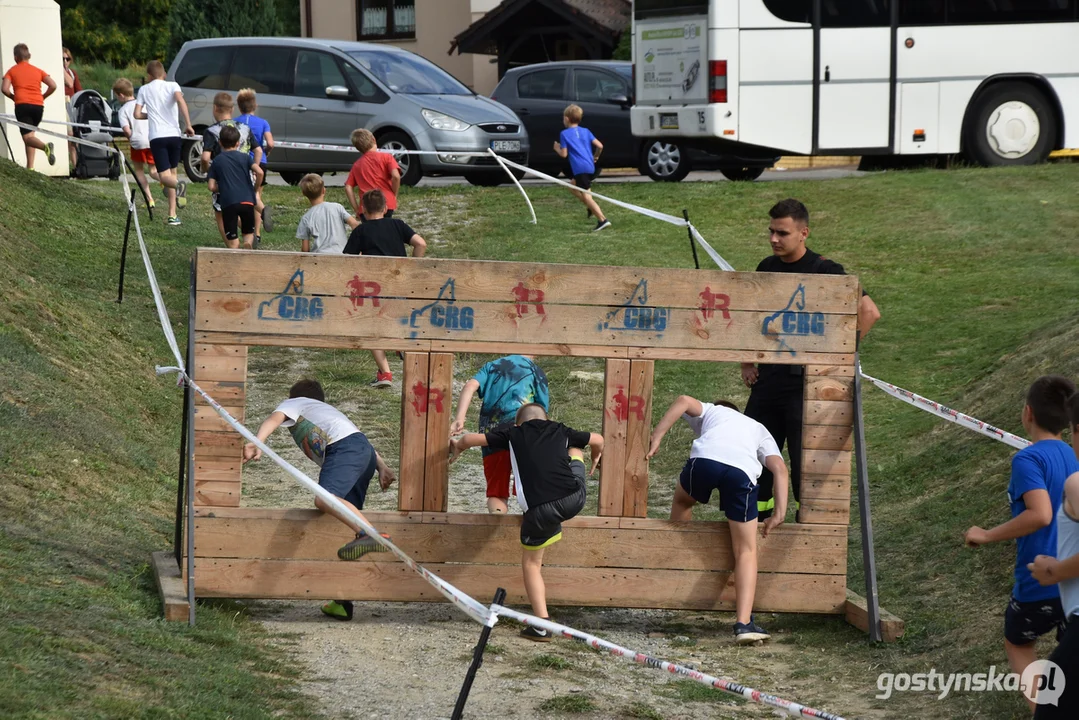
(728, 455)
(346, 458)
(583, 149)
(1036, 491)
(548, 462)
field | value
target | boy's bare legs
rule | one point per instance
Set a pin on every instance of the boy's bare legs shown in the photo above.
(169, 180)
(682, 505)
(31, 143)
(221, 229)
(498, 505)
(531, 565)
(586, 198)
(346, 519)
(1019, 656)
(744, 545)
(381, 361)
(249, 241)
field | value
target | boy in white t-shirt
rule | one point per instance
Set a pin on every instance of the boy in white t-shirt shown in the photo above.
(158, 101)
(728, 454)
(347, 460)
(138, 135)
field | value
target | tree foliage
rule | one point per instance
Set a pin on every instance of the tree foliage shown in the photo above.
(624, 50)
(116, 31)
(195, 19)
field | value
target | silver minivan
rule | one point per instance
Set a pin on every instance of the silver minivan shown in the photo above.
(319, 91)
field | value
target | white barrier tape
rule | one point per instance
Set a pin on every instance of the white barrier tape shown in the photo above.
(954, 416)
(6, 117)
(348, 148)
(515, 182)
(791, 708)
(716, 257)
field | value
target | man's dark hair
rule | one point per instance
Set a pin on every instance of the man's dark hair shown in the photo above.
(727, 404)
(1048, 399)
(790, 208)
(230, 137)
(307, 389)
(531, 411)
(1073, 411)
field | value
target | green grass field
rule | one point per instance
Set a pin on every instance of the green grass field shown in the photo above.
(974, 272)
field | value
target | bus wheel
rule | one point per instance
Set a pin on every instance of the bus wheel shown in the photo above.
(664, 161)
(1011, 123)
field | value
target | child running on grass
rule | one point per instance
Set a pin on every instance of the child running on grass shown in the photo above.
(1064, 570)
(22, 83)
(211, 148)
(263, 138)
(230, 182)
(346, 458)
(374, 170)
(583, 150)
(505, 385)
(1036, 490)
(157, 101)
(138, 136)
(382, 235)
(548, 461)
(728, 455)
(322, 227)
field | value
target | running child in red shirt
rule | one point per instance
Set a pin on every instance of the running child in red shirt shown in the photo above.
(373, 171)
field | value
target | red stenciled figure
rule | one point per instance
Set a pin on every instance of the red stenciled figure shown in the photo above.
(624, 405)
(424, 398)
(526, 297)
(710, 302)
(362, 289)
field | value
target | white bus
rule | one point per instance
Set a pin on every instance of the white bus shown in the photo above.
(995, 80)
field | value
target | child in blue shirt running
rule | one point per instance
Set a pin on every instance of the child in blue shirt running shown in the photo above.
(583, 149)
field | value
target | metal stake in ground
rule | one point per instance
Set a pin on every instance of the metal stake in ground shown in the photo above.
(869, 557)
(123, 253)
(692, 242)
(181, 484)
(477, 660)
(6, 142)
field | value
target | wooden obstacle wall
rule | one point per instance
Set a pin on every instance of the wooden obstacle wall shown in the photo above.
(430, 309)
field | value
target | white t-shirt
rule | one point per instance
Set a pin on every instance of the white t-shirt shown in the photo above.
(729, 437)
(140, 129)
(314, 425)
(158, 99)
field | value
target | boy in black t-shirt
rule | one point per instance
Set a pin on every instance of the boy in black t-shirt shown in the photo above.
(548, 462)
(380, 235)
(230, 178)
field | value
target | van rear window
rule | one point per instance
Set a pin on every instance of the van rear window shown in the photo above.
(205, 67)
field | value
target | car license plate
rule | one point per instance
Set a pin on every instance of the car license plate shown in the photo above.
(668, 121)
(506, 145)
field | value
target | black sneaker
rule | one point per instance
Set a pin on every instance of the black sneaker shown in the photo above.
(749, 633)
(360, 546)
(601, 225)
(535, 634)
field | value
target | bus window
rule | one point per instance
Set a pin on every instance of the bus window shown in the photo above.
(799, 11)
(856, 13)
(921, 12)
(976, 12)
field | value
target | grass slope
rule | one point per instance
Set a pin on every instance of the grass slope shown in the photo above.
(974, 272)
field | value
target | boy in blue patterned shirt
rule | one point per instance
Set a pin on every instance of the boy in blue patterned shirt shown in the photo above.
(505, 386)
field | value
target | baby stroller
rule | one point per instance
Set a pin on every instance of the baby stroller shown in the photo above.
(88, 107)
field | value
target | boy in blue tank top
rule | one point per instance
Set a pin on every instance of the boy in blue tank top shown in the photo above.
(1035, 491)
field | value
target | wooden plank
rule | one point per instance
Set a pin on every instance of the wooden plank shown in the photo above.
(170, 587)
(206, 418)
(824, 511)
(616, 408)
(539, 349)
(218, 444)
(392, 581)
(826, 462)
(530, 285)
(829, 487)
(219, 464)
(413, 432)
(225, 493)
(638, 437)
(829, 388)
(217, 351)
(220, 363)
(439, 400)
(847, 370)
(856, 613)
(824, 412)
(827, 437)
(625, 325)
(225, 393)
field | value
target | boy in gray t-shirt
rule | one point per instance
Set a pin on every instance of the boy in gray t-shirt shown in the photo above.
(322, 228)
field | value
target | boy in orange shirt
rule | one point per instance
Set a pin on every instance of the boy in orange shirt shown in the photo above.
(373, 171)
(22, 83)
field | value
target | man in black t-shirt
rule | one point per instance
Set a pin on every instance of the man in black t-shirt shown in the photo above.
(380, 235)
(548, 461)
(775, 400)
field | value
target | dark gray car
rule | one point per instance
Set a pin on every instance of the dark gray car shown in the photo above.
(318, 91)
(539, 93)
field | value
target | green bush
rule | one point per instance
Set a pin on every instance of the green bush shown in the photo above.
(117, 32)
(195, 19)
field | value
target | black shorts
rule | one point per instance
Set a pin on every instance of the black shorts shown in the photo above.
(166, 152)
(584, 180)
(737, 493)
(1067, 657)
(542, 525)
(29, 114)
(1025, 622)
(242, 214)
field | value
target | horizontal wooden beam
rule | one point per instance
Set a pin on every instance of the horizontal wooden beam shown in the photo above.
(170, 587)
(856, 612)
(393, 581)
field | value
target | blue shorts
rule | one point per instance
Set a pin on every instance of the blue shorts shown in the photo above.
(166, 152)
(348, 468)
(737, 494)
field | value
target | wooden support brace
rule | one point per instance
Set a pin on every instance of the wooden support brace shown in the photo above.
(615, 429)
(638, 435)
(436, 476)
(827, 439)
(170, 587)
(856, 612)
(413, 432)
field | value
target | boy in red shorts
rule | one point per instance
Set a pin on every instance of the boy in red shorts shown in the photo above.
(504, 385)
(373, 171)
(138, 135)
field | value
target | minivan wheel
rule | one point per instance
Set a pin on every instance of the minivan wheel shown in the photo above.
(192, 156)
(292, 177)
(664, 161)
(411, 171)
(741, 174)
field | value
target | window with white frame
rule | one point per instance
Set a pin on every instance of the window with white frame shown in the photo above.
(386, 19)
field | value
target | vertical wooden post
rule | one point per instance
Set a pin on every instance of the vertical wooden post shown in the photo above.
(615, 427)
(827, 427)
(436, 477)
(638, 434)
(413, 431)
(222, 372)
